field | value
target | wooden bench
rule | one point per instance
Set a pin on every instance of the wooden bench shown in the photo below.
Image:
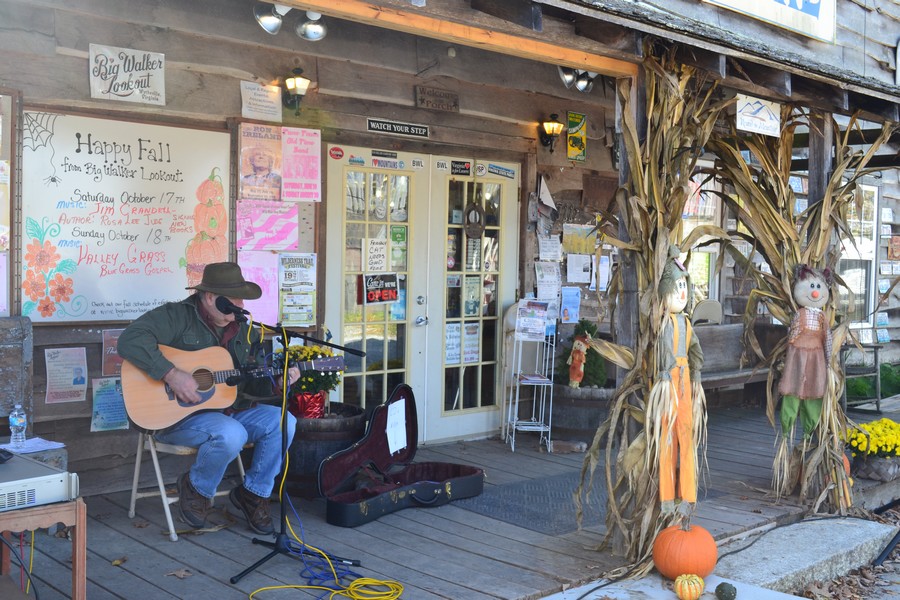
(723, 346)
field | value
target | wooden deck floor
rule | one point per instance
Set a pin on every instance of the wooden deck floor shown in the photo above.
(444, 552)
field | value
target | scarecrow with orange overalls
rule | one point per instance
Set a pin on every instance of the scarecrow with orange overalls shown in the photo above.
(676, 413)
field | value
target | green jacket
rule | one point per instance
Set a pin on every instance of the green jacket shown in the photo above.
(179, 325)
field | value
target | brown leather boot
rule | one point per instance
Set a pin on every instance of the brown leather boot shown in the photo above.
(255, 509)
(192, 506)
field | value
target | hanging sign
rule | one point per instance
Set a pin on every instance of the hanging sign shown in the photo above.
(127, 75)
(378, 288)
(758, 116)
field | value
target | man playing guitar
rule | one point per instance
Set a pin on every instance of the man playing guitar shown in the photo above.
(211, 318)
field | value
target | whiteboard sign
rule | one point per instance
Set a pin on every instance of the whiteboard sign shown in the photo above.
(117, 217)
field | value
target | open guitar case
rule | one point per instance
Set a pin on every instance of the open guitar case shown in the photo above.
(366, 481)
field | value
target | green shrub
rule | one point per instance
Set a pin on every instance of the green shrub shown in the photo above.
(864, 387)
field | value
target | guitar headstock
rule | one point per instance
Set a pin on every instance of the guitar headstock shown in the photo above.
(331, 363)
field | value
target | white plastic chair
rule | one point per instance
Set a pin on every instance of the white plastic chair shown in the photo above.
(707, 312)
(146, 441)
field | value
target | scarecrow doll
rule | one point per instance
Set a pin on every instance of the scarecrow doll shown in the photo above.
(576, 361)
(677, 408)
(808, 355)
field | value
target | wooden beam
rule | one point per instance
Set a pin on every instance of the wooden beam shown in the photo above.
(776, 80)
(821, 155)
(821, 95)
(519, 12)
(713, 63)
(889, 111)
(857, 137)
(408, 20)
(881, 161)
(610, 35)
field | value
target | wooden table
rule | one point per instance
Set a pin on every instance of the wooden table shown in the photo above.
(72, 513)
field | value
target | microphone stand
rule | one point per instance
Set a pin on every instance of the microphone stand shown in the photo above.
(282, 543)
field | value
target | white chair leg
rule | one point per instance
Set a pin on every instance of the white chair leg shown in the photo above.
(137, 474)
(162, 490)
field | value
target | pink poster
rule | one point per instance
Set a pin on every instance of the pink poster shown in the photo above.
(267, 225)
(301, 151)
(262, 269)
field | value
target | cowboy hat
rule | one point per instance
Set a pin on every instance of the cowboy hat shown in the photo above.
(226, 279)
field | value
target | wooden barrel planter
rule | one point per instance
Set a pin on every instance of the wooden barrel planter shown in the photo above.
(317, 439)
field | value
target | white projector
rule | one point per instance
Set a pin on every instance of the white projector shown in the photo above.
(25, 482)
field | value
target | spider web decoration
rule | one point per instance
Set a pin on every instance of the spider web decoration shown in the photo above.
(39, 133)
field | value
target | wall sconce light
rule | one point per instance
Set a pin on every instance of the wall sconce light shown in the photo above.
(313, 28)
(550, 130)
(295, 88)
(269, 16)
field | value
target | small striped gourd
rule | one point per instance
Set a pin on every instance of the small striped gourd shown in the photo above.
(688, 587)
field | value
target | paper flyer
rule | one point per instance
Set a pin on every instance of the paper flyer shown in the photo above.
(109, 406)
(579, 239)
(111, 361)
(471, 342)
(262, 269)
(260, 102)
(301, 159)
(452, 343)
(549, 248)
(578, 268)
(570, 305)
(66, 375)
(599, 274)
(547, 279)
(531, 320)
(297, 289)
(267, 225)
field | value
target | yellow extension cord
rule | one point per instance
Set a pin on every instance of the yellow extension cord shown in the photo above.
(362, 588)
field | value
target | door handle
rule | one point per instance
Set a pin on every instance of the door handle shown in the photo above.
(421, 321)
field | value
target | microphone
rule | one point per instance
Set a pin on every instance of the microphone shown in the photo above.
(227, 307)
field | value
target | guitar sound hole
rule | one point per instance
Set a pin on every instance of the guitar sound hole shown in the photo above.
(205, 380)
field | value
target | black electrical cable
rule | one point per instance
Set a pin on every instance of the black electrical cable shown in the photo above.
(21, 565)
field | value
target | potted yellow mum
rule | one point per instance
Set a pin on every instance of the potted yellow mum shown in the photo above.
(875, 448)
(321, 375)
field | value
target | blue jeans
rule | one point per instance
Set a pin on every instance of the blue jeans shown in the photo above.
(219, 438)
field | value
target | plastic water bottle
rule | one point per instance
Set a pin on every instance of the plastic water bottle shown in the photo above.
(18, 421)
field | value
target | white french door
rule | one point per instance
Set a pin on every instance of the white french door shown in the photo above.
(446, 227)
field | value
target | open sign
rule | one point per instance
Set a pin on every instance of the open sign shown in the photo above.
(379, 288)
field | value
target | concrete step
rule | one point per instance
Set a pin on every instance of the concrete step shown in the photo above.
(769, 565)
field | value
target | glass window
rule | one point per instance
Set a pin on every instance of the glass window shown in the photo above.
(857, 264)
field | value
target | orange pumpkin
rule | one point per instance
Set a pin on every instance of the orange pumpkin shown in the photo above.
(678, 551)
(689, 587)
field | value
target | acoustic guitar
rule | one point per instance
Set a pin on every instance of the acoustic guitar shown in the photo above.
(152, 405)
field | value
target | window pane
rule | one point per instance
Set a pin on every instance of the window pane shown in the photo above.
(352, 339)
(352, 307)
(470, 387)
(451, 388)
(354, 246)
(488, 394)
(399, 200)
(396, 344)
(457, 198)
(379, 197)
(355, 198)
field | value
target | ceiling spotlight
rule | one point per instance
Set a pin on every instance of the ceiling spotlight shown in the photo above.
(585, 82)
(313, 29)
(567, 75)
(269, 16)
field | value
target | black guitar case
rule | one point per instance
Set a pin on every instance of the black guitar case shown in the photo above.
(366, 481)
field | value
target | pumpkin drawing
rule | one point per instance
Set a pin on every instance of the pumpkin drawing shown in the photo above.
(210, 218)
(201, 251)
(211, 190)
(679, 551)
(688, 587)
